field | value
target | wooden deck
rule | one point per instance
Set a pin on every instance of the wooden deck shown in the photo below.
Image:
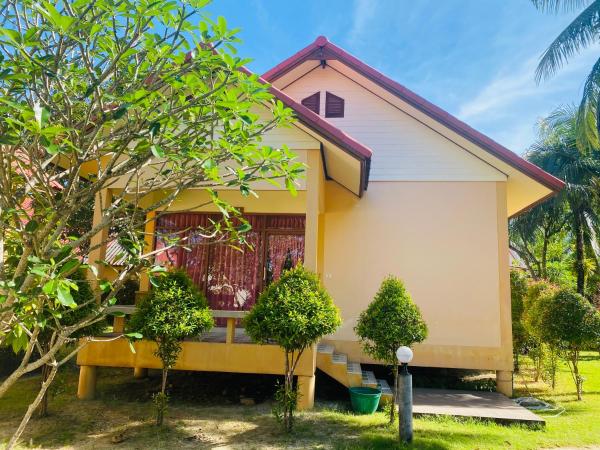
(473, 404)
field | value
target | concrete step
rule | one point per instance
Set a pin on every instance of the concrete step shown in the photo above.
(387, 394)
(354, 374)
(385, 387)
(354, 367)
(325, 349)
(334, 364)
(339, 358)
(368, 379)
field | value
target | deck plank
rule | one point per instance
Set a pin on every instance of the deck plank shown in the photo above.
(481, 405)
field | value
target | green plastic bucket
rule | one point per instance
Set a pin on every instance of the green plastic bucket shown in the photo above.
(365, 400)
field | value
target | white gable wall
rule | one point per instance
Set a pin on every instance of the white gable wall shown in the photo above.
(403, 148)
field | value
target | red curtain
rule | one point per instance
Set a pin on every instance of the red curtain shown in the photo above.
(284, 251)
(232, 279)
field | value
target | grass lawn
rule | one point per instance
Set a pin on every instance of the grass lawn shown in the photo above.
(121, 417)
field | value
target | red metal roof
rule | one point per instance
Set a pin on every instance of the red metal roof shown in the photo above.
(321, 48)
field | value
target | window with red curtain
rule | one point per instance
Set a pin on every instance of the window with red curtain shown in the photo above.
(232, 279)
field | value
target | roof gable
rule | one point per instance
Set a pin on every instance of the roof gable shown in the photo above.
(322, 50)
(404, 148)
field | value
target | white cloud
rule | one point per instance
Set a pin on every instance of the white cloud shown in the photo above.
(362, 14)
(511, 104)
(517, 86)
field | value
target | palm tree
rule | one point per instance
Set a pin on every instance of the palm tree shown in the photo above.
(582, 32)
(557, 151)
(531, 234)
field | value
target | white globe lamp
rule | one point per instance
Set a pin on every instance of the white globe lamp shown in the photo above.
(404, 355)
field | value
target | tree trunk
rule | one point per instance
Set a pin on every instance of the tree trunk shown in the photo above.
(395, 396)
(288, 410)
(43, 409)
(577, 375)
(579, 252)
(160, 410)
(545, 257)
(32, 407)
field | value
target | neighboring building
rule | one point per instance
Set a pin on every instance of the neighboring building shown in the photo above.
(395, 186)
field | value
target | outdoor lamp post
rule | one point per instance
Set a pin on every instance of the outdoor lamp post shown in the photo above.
(404, 395)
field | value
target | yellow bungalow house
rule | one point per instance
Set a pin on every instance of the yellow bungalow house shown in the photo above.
(394, 185)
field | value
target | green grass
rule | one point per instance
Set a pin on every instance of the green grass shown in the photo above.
(123, 410)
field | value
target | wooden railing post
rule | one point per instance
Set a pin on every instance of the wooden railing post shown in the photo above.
(230, 336)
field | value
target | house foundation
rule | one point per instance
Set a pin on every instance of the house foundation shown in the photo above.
(504, 382)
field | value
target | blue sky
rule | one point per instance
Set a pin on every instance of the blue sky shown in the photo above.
(474, 58)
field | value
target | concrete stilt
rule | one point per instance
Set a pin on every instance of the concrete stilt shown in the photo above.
(140, 372)
(87, 382)
(504, 382)
(306, 391)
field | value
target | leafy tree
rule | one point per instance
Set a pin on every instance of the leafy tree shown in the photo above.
(294, 311)
(518, 291)
(568, 321)
(557, 152)
(391, 320)
(144, 95)
(535, 303)
(84, 297)
(173, 310)
(533, 234)
(581, 33)
(55, 320)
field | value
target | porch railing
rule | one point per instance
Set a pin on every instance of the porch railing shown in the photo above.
(231, 316)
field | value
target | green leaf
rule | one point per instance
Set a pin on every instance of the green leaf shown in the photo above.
(64, 296)
(157, 151)
(105, 286)
(134, 335)
(13, 35)
(49, 287)
(31, 226)
(69, 266)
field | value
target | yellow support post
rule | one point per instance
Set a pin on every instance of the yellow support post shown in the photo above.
(306, 392)
(140, 372)
(148, 247)
(118, 324)
(230, 336)
(99, 240)
(86, 389)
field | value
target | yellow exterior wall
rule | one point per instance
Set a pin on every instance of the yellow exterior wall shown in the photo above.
(271, 202)
(448, 242)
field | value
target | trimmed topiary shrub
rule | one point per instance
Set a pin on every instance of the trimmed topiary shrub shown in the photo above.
(544, 354)
(518, 292)
(173, 310)
(295, 312)
(391, 320)
(569, 322)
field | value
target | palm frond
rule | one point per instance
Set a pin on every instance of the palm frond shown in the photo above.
(556, 6)
(579, 34)
(588, 116)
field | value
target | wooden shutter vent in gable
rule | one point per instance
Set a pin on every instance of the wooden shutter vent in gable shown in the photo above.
(313, 102)
(334, 105)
